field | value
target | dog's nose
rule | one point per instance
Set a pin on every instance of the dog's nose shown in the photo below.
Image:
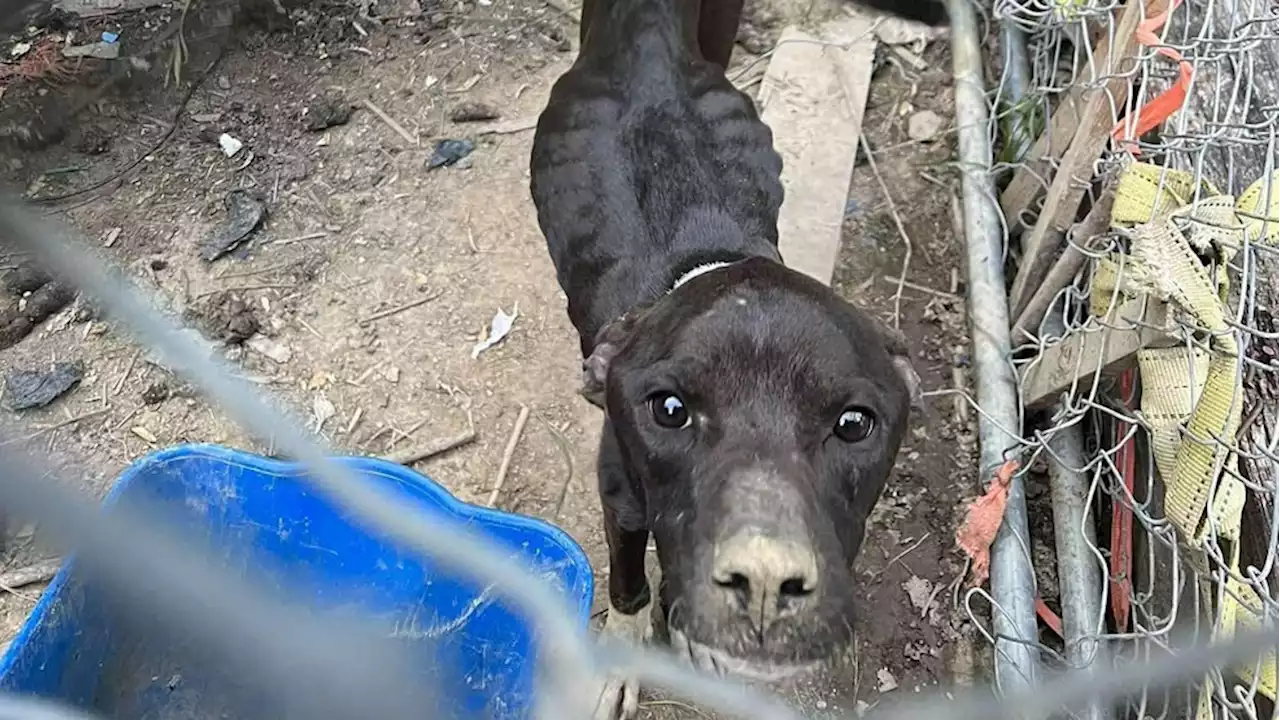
(767, 578)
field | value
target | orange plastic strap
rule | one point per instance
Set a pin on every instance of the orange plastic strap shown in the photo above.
(1166, 103)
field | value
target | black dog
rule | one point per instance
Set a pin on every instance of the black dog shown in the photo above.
(752, 415)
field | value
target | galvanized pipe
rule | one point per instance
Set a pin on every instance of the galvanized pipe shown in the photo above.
(1079, 575)
(1012, 583)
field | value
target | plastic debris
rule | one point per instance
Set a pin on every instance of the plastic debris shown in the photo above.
(26, 389)
(245, 212)
(448, 152)
(230, 145)
(109, 37)
(885, 681)
(99, 50)
(982, 521)
(322, 410)
(19, 49)
(499, 328)
(269, 348)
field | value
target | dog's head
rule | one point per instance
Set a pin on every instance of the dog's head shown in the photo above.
(761, 414)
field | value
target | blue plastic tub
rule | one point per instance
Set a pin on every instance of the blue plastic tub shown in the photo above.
(260, 513)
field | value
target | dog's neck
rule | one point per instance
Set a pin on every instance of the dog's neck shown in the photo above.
(699, 270)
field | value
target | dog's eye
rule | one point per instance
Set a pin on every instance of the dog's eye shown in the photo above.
(855, 425)
(669, 411)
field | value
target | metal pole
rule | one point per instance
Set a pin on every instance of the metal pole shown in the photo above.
(1079, 577)
(1014, 81)
(1012, 584)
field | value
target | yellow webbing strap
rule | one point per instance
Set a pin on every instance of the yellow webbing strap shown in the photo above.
(1201, 389)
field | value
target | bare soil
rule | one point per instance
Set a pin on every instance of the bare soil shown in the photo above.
(358, 227)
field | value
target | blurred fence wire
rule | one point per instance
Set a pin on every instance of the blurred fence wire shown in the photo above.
(1158, 612)
(334, 670)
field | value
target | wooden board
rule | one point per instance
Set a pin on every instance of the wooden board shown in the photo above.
(813, 97)
(1062, 203)
(1110, 345)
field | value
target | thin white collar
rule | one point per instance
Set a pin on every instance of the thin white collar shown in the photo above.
(699, 270)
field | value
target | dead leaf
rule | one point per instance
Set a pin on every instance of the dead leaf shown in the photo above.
(920, 591)
(322, 410)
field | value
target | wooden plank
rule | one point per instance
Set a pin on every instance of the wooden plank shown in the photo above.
(1110, 345)
(813, 97)
(1076, 170)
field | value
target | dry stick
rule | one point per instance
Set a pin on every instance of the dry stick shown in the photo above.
(920, 288)
(56, 426)
(510, 127)
(1067, 265)
(398, 309)
(128, 370)
(412, 455)
(508, 454)
(1062, 201)
(390, 123)
(42, 571)
(897, 221)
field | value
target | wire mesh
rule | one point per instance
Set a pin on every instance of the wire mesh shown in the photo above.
(1183, 87)
(1151, 657)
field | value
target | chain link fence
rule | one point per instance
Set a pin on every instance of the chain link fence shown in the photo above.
(1141, 153)
(1143, 617)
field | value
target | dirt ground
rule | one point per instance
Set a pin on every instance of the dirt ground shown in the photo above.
(373, 277)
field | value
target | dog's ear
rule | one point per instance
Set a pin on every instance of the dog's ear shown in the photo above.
(899, 354)
(595, 368)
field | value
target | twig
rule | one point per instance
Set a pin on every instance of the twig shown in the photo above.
(56, 426)
(897, 221)
(247, 288)
(128, 370)
(920, 288)
(355, 420)
(398, 309)
(299, 238)
(409, 456)
(42, 571)
(562, 442)
(507, 455)
(509, 127)
(896, 558)
(384, 117)
(259, 271)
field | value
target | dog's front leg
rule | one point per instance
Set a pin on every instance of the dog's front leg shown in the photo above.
(629, 619)
(625, 530)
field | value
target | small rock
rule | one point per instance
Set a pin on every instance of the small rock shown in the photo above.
(326, 114)
(246, 209)
(224, 83)
(27, 389)
(474, 112)
(156, 393)
(924, 126)
(448, 152)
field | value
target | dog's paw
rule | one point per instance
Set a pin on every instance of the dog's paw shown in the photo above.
(620, 696)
